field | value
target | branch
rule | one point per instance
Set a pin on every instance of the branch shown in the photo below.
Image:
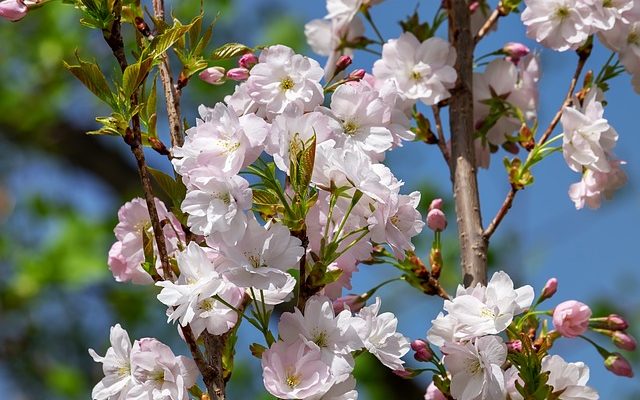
(473, 247)
(133, 138)
(442, 141)
(489, 23)
(502, 212)
(583, 55)
(171, 93)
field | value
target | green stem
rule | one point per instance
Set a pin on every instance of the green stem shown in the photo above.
(367, 16)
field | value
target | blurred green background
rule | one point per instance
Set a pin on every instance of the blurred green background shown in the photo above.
(60, 190)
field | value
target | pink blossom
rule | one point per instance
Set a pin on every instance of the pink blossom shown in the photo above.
(433, 393)
(571, 318)
(549, 289)
(422, 350)
(13, 10)
(436, 204)
(354, 303)
(294, 371)
(596, 185)
(515, 51)
(213, 75)
(624, 341)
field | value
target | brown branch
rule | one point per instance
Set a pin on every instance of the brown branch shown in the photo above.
(502, 212)
(171, 93)
(489, 23)
(583, 55)
(214, 347)
(473, 247)
(442, 141)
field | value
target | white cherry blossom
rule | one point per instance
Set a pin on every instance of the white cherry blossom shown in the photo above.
(558, 24)
(568, 379)
(420, 71)
(116, 365)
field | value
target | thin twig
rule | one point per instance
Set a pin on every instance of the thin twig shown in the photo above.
(171, 93)
(134, 140)
(502, 212)
(489, 23)
(582, 60)
(206, 369)
(442, 141)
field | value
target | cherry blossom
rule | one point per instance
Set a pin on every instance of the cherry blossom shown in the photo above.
(475, 368)
(596, 185)
(116, 365)
(420, 71)
(571, 318)
(568, 379)
(396, 222)
(557, 24)
(13, 10)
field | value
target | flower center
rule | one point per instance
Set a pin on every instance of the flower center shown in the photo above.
(562, 12)
(286, 83)
(634, 38)
(229, 146)
(124, 370)
(487, 313)
(607, 3)
(224, 197)
(207, 304)
(320, 338)
(395, 219)
(416, 75)
(157, 376)
(292, 379)
(350, 127)
(255, 261)
(474, 366)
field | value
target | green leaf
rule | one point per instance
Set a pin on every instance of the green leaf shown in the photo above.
(134, 75)
(229, 50)
(175, 190)
(92, 77)
(306, 161)
(163, 42)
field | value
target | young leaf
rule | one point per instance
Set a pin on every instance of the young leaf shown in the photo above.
(92, 77)
(229, 50)
(134, 75)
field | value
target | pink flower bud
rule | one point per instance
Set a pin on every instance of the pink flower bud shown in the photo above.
(617, 323)
(515, 51)
(343, 62)
(571, 318)
(436, 204)
(618, 365)
(624, 341)
(514, 346)
(13, 10)
(422, 350)
(433, 393)
(473, 6)
(357, 75)
(404, 373)
(436, 220)
(550, 288)
(353, 301)
(247, 60)
(238, 74)
(213, 75)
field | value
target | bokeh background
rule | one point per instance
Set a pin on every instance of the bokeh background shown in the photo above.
(60, 190)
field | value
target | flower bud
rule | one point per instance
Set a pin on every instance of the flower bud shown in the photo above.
(353, 301)
(515, 51)
(422, 350)
(436, 204)
(238, 74)
(618, 365)
(514, 346)
(13, 10)
(247, 60)
(342, 63)
(213, 75)
(357, 75)
(571, 318)
(550, 288)
(624, 341)
(613, 322)
(433, 393)
(436, 220)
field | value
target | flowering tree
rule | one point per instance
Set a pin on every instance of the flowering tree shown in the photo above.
(280, 192)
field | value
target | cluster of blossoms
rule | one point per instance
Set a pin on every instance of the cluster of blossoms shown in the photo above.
(588, 142)
(481, 365)
(15, 10)
(313, 359)
(148, 369)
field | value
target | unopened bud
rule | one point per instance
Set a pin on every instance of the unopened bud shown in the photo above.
(213, 75)
(526, 138)
(618, 365)
(612, 322)
(514, 346)
(248, 60)
(473, 6)
(406, 373)
(624, 341)
(238, 74)
(142, 27)
(515, 51)
(436, 220)
(550, 288)
(422, 350)
(158, 146)
(511, 147)
(353, 302)
(13, 10)
(342, 63)
(436, 204)
(357, 75)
